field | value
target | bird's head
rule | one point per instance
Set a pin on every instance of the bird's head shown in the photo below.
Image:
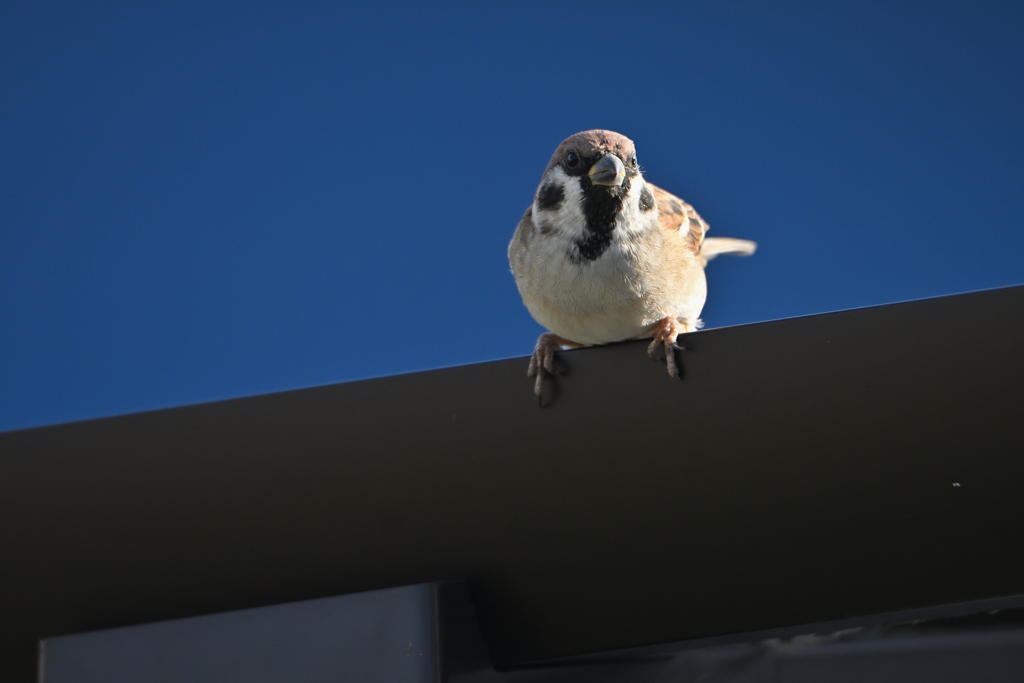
(592, 185)
(597, 157)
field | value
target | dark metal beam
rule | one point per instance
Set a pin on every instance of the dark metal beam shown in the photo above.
(806, 470)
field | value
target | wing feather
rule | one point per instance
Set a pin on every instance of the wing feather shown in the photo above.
(675, 215)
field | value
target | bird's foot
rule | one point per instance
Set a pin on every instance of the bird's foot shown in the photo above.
(665, 332)
(542, 362)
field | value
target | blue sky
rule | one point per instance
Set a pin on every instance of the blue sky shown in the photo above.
(209, 200)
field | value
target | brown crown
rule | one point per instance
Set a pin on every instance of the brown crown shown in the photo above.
(594, 143)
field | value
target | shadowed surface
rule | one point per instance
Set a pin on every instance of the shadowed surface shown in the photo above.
(805, 470)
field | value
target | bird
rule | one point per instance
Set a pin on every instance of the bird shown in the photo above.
(602, 255)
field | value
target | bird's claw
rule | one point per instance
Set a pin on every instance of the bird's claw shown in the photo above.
(665, 332)
(542, 362)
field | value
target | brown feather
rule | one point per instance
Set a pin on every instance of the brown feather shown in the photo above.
(675, 215)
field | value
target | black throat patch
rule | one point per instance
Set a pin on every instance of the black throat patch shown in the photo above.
(601, 206)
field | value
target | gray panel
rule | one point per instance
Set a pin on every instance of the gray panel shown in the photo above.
(984, 657)
(429, 633)
(386, 636)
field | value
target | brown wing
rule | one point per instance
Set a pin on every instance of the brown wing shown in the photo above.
(676, 215)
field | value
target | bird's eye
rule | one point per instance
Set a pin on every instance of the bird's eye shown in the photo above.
(633, 161)
(572, 160)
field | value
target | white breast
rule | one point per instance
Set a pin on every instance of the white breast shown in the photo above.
(590, 302)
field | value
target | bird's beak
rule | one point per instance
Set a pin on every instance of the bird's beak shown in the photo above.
(608, 171)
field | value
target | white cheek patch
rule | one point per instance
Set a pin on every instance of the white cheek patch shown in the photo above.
(631, 218)
(567, 217)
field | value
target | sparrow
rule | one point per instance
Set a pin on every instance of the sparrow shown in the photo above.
(603, 256)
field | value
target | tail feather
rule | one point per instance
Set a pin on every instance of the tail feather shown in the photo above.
(713, 246)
